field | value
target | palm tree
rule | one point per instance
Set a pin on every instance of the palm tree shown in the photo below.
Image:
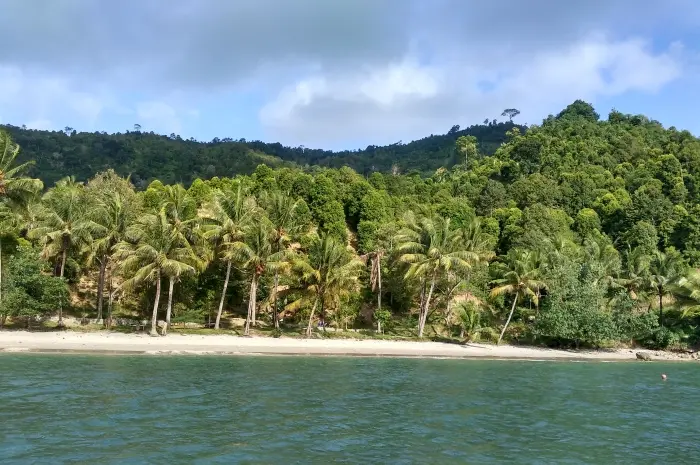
(114, 214)
(254, 253)
(15, 189)
(431, 247)
(154, 249)
(520, 277)
(64, 225)
(225, 219)
(328, 273)
(665, 270)
(283, 213)
(688, 294)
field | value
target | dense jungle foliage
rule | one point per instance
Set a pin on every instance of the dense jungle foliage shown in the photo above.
(577, 231)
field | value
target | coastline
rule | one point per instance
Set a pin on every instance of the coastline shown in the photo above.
(188, 344)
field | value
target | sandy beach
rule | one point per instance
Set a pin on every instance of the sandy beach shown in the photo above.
(105, 342)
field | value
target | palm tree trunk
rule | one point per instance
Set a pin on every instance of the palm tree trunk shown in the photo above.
(311, 318)
(168, 312)
(379, 294)
(110, 301)
(223, 296)
(512, 309)
(1, 321)
(424, 313)
(275, 316)
(101, 287)
(251, 304)
(661, 308)
(155, 307)
(64, 255)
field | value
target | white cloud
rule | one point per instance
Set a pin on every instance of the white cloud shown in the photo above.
(400, 101)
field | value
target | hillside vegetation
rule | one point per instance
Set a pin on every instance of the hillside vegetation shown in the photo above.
(577, 231)
(147, 156)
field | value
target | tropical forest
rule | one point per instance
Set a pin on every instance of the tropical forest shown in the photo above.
(581, 231)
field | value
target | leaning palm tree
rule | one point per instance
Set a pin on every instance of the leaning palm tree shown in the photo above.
(154, 249)
(327, 273)
(64, 225)
(431, 247)
(520, 277)
(283, 213)
(225, 218)
(688, 294)
(16, 189)
(665, 271)
(254, 253)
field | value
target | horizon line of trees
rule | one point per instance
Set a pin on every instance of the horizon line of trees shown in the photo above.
(576, 232)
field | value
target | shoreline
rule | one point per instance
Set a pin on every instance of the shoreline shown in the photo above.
(113, 343)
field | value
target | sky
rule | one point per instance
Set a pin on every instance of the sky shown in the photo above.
(341, 74)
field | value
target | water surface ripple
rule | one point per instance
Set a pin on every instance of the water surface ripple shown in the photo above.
(171, 410)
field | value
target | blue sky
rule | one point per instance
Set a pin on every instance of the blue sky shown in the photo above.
(341, 74)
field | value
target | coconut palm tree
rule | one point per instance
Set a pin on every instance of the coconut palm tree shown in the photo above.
(154, 249)
(688, 294)
(113, 213)
(225, 219)
(254, 254)
(665, 271)
(64, 225)
(520, 278)
(284, 214)
(16, 189)
(431, 247)
(326, 274)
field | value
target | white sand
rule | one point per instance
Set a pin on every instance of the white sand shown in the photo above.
(105, 342)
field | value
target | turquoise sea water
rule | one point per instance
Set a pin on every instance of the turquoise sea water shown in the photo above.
(74, 409)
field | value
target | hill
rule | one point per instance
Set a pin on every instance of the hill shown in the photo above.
(171, 159)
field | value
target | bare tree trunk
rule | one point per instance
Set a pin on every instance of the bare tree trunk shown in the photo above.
(311, 318)
(512, 309)
(60, 306)
(101, 287)
(379, 294)
(275, 316)
(154, 317)
(223, 296)
(168, 312)
(110, 302)
(251, 304)
(1, 321)
(424, 312)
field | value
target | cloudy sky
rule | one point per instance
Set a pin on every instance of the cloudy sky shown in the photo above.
(341, 73)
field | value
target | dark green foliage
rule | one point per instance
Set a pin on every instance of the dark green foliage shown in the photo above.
(29, 291)
(171, 159)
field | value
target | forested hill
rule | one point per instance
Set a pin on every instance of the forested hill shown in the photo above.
(171, 159)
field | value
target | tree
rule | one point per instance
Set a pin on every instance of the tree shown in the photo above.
(466, 146)
(154, 249)
(288, 222)
(115, 207)
(665, 270)
(510, 113)
(64, 225)
(225, 219)
(520, 278)
(254, 254)
(327, 273)
(431, 247)
(29, 291)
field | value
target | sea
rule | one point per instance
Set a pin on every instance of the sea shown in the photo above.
(148, 409)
